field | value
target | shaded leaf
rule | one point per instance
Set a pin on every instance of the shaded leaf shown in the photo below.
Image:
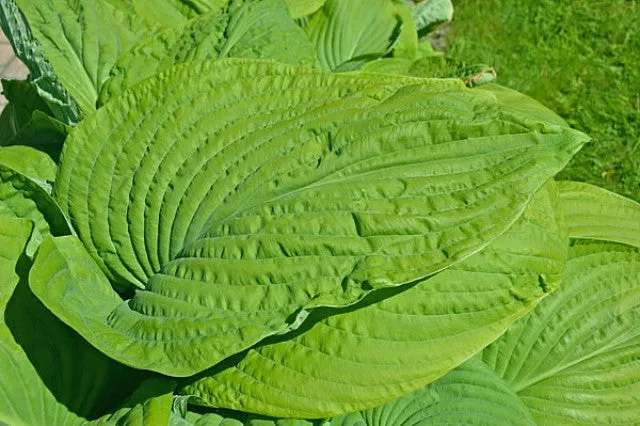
(149, 405)
(428, 14)
(29, 162)
(406, 46)
(43, 133)
(25, 399)
(49, 374)
(23, 101)
(21, 197)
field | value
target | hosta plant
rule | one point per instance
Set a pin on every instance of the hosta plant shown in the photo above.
(271, 212)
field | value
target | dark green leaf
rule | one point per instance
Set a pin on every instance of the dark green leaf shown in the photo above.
(28, 48)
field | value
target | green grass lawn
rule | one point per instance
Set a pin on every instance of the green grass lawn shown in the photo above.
(579, 58)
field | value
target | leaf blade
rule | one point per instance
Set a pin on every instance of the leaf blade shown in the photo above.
(320, 197)
(356, 358)
(574, 358)
(596, 213)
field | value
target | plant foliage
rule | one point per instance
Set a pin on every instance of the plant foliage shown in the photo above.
(269, 212)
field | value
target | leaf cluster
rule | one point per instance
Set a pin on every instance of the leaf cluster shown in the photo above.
(270, 212)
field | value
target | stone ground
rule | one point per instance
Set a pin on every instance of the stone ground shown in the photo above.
(10, 66)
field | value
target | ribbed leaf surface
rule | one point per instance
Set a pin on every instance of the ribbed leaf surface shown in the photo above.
(344, 30)
(258, 29)
(471, 394)
(596, 213)
(81, 40)
(575, 359)
(365, 357)
(240, 194)
(31, 52)
(169, 13)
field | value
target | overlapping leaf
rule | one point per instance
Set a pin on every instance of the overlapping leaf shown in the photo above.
(30, 163)
(28, 120)
(596, 213)
(575, 359)
(23, 101)
(257, 29)
(278, 189)
(28, 197)
(50, 375)
(31, 52)
(344, 31)
(168, 13)
(470, 394)
(81, 41)
(300, 8)
(406, 45)
(364, 357)
(428, 14)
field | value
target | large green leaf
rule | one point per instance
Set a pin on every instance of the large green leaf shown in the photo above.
(575, 359)
(82, 40)
(239, 194)
(31, 52)
(24, 400)
(344, 31)
(258, 29)
(596, 213)
(50, 375)
(367, 356)
(471, 394)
